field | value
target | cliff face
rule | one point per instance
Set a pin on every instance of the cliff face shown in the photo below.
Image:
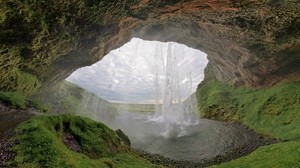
(249, 42)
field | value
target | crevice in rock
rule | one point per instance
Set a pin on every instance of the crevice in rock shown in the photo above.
(71, 141)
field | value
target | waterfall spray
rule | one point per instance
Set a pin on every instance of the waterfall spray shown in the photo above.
(175, 113)
(147, 72)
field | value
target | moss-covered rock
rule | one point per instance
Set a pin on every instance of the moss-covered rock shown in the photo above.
(284, 154)
(269, 111)
(248, 42)
(41, 143)
(37, 34)
(14, 99)
(272, 111)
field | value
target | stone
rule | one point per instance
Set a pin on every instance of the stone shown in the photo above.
(123, 137)
(249, 43)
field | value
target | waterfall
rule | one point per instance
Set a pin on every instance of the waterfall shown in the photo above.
(147, 72)
(174, 112)
(94, 107)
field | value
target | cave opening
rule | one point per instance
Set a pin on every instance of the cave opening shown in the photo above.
(129, 74)
(148, 89)
(252, 80)
(160, 76)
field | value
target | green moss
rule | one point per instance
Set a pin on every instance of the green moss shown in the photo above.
(13, 75)
(37, 34)
(285, 154)
(273, 111)
(19, 101)
(37, 104)
(39, 144)
(15, 99)
(27, 83)
(70, 96)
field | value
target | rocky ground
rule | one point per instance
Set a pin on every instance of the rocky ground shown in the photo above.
(9, 119)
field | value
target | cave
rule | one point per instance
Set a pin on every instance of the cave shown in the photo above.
(134, 72)
(252, 46)
(236, 58)
(149, 92)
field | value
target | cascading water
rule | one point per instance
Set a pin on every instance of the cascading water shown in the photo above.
(94, 107)
(175, 114)
(149, 72)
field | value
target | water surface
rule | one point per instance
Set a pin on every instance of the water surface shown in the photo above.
(204, 140)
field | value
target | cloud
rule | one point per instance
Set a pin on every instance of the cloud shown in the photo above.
(132, 72)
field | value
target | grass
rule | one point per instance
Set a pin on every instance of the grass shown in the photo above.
(39, 144)
(280, 155)
(68, 98)
(19, 101)
(140, 108)
(42, 107)
(14, 99)
(271, 111)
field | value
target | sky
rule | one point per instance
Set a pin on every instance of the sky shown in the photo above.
(137, 71)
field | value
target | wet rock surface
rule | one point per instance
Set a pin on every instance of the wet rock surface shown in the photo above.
(9, 119)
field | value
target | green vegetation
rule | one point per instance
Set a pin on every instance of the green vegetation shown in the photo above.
(271, 111)
(144, 108)
(18, 101)
(14, 99)
(13, 77)
(37, 34)
(42, 107)
(66, 97)
(69, 98)
(285, 154)
(40, 144)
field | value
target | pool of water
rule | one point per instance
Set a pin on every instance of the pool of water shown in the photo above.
(204, 140)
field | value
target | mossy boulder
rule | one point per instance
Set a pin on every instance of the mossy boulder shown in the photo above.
(50, 141)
